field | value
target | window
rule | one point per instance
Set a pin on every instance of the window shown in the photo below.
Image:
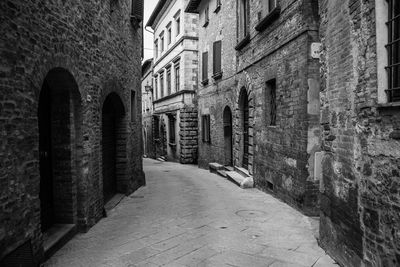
(137, 10)
(177, 77)
(206, 16)
(178, 22)
(169, 81)
(393, 49)
(156, 125)
(243, 19)
(205, 68)
(156, 49)
(205, 128)
(169, 33)
(217, 6)
(217, 60)
(270, 102)
(156, 87)
(133, 108)
(162, 41)
(268, 13)
(162, 85)
(171, 119)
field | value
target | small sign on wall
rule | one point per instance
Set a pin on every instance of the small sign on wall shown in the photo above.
(316, 49)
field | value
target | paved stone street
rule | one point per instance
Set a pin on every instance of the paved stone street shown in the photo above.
(186, 216)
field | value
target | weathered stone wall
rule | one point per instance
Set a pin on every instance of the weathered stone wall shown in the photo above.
(282, 155)
(97, 45)
(215, 96)
(359, 190)
(188, 134)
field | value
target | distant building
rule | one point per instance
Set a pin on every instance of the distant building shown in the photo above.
(70, 129)
(175, 81)
(147, 108)
(360, 118)
(259, 98)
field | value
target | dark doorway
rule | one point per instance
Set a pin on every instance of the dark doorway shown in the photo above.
(244, 125)
(228, 136)
(113, 135)
(59, 122)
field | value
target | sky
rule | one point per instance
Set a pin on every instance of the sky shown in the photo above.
(149, 6)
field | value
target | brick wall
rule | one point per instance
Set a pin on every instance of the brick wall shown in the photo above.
(282, 155)
(98, 50)
(188, 134)
(359, 190)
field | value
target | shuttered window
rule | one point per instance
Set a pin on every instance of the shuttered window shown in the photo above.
(217, 57)
(393, 48)
(205, 66)
(205, 126)
(137, 9)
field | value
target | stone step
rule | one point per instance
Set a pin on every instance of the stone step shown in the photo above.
(229, 168)
(242, 171)
(56, 237)
(214, 167)
(222, 173)
(240, 180)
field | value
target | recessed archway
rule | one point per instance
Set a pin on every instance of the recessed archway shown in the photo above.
(228, 151)
(114, 134)
(60, 122)
(243, 128)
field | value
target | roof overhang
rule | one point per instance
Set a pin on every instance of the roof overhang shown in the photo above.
(192, 6)
(156, 12)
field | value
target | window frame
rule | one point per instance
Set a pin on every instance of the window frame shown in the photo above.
(169, 81)
(169, 33)
(204, 67)
(162, 41)
(177, 77)
(393, 53)
(177, 18)
(161, 85)
(217, 58)
(206, 16)
(156, 86)
(205, 128)
(271, 102)
(156, 48)
(172, 129)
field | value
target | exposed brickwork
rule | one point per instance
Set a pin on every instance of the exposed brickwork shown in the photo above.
(90, 51)
(281, 156)
(188, 134)
(359, 203)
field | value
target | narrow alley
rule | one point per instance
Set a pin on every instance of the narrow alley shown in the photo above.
(186, 216)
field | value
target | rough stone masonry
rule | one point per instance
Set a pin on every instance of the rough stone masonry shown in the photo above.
(360, 212)
(69, 81)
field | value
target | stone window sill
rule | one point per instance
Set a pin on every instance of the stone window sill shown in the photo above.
(389, 105)
(217, 75)
(268, 19)
(204, 82)
(243, 42)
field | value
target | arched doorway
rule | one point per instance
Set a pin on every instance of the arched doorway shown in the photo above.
(227, 119)
(113, 145)
(244, 127)
(59, 121)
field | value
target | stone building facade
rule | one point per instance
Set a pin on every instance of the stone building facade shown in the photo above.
(360, 118)
(147, 109)
(70, 130)
(270, 83)
(175, 81)
(216, 94)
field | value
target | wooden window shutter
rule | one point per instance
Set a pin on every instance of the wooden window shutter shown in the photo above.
(205, 66)
(217, 57)
(137, 10)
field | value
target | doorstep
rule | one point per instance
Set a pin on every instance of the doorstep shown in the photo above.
(56, 237)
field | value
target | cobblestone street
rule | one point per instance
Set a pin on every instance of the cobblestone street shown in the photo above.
(186, 216)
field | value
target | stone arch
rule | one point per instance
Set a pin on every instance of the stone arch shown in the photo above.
(114, 134)
(244, 88)
(228, 136)
(60, 148)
